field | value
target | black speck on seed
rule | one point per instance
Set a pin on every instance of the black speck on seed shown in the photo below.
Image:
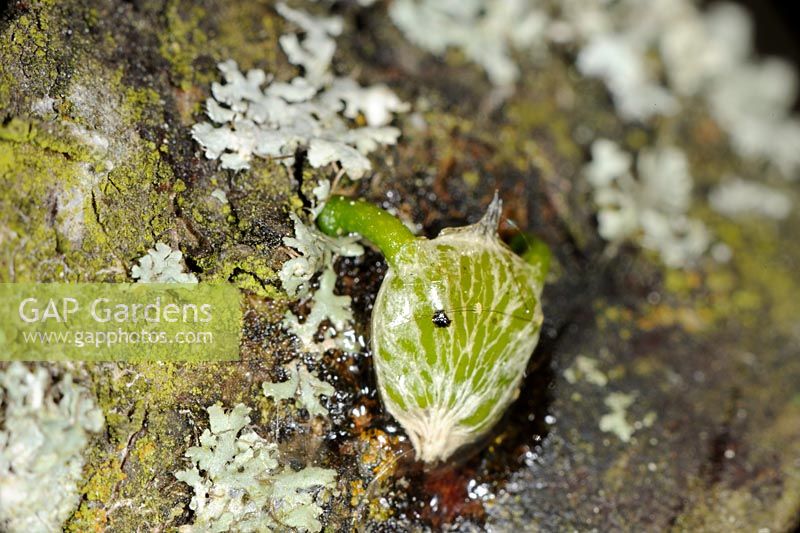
(440, 319)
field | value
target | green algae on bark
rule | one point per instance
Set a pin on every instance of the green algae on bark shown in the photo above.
(94, 163)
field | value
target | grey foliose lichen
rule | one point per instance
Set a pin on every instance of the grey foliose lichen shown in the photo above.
(649, 202)
(316, 252)
(240, 485)
(303, 388)
(162, 264)
(44, 429)
(252, 114)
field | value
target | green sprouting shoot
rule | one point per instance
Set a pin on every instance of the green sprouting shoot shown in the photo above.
(534, 251)
(342, 216)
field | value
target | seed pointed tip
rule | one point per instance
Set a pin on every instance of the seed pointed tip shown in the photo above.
(491, 220)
